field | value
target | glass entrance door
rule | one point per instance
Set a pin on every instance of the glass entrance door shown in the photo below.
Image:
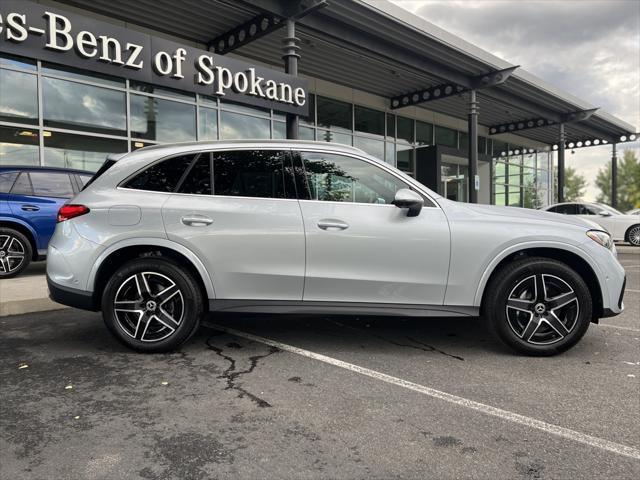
(454, 175)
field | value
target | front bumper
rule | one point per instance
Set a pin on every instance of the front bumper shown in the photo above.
(608, 312)
(71, 297)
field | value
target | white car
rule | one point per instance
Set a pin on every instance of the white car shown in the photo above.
(635, 211)
(165, 234)
(622, 227)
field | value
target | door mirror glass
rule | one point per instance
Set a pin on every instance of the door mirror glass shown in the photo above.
(409, 199)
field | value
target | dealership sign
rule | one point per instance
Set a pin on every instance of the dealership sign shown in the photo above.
(33, 30)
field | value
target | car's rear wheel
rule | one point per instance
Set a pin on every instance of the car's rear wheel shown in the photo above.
(152, 305)
(633, 235)
(538, 306)
(15, 252)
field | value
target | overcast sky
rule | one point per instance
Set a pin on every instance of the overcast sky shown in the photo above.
(590, 48)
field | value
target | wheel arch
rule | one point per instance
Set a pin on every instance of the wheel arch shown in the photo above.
(117, 254)
(26, 230)
(571, 256)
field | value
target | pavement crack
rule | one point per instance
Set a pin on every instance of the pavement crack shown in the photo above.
(431, 348)
(231, 375)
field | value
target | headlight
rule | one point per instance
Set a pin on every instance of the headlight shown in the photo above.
(603, 238)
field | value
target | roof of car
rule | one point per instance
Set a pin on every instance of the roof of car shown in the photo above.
(36, 168)
(245, 142)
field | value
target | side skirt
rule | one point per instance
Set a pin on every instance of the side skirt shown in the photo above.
(341, 308)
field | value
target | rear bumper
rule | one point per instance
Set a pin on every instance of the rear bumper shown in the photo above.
(70, 296)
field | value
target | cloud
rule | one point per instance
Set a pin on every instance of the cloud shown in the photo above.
(590, 48)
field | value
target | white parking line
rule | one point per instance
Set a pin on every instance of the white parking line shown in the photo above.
(619, 327)
(447, 397)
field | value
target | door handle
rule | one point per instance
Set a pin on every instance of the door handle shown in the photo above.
(196, 220)
(30, 208)
(332, 225)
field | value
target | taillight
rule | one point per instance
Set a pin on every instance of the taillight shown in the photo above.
(67, 212)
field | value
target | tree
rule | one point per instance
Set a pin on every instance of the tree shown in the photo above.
(574, 185)
(628, 182)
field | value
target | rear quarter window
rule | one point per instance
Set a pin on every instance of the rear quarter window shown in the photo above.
(162, 176)
(6, 181)
(50, 184)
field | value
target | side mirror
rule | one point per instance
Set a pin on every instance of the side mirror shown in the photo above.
(604, 213)
(409, 199)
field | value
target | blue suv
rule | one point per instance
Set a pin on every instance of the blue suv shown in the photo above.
(30, 198)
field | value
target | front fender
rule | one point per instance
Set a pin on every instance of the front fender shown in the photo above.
(156, 242)
(530, 245)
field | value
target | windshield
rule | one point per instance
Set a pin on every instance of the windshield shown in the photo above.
(609, 209)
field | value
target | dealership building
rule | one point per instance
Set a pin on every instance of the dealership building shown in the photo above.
(80, 79)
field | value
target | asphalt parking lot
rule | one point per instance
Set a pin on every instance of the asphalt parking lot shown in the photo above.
(316, 397)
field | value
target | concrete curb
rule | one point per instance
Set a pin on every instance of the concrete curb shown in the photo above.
(31, 305)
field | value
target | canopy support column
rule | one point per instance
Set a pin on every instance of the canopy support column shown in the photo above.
(614, 177)
(561, 143)
(473, 147)
(290, 58)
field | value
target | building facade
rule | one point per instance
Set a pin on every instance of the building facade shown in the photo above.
(55, 114)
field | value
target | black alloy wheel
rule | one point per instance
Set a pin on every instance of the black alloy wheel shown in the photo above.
(539, 306)
(15, 252)
(152, 305)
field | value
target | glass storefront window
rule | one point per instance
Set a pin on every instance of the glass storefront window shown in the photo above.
(305, 133)
(311, 118)
(162, 120)
(482, 144)
(17, 62)
(390, 153)
(208, 101)
(514, 196)
(18, 97)
(163, 91)
(499, 148)
(240, 108)
(334, 113)
(371, 146)
(18, 146)
(405, 129)
(446, 136)
(368, 120)
(83, 75)
(424, 133)
(391, 126)
(529, 160)
(463, 139)
(78, 106)
(79, 151)
(279, 130)
(404, 158)
(208, 127)
(335, 137)
(237, 126)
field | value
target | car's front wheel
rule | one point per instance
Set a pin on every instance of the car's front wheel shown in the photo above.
(538, 306)
(152, 305)
(15, 252)
(633, 235)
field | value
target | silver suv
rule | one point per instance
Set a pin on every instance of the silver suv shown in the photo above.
(162, 235)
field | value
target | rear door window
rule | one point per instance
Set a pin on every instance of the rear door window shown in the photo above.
(198, 178)
(49, 184)
(253, 173)
(6, 181)
(163, 176)
(22, 185)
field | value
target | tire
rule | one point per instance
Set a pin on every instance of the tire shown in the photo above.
(532, 323)
(15, 252)
(159, 305)
(633, 235)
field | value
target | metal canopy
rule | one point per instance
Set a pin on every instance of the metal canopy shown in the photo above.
(376, 47)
